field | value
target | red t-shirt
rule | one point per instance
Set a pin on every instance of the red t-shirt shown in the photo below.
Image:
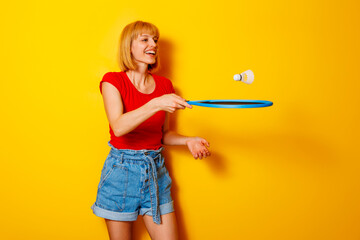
(147, 135)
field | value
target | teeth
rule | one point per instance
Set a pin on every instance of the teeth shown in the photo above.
(151, 52)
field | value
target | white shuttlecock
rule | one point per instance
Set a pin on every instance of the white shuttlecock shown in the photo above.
(246, 77)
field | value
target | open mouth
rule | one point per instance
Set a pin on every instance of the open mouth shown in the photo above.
(152, 53)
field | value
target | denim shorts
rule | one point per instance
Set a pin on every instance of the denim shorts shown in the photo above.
(133, 182)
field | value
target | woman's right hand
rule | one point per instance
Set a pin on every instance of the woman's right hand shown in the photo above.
(169, 103)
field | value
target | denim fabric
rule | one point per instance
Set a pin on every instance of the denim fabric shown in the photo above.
(133, 182)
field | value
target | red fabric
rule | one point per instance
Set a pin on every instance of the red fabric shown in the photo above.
(147, 135)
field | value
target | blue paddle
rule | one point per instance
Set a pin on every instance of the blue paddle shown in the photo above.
(231, 103)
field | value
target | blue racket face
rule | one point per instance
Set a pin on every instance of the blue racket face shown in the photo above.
(233, 103)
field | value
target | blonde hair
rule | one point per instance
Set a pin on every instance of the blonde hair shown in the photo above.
(129, 33)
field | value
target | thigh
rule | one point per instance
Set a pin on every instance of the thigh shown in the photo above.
(167, 230)
(119, 230)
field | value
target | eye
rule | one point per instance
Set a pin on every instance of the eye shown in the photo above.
(144, 40)
(155, 40)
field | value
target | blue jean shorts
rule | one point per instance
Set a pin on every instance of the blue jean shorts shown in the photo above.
(133, 182)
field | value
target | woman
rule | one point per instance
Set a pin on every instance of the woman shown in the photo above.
(134, 179)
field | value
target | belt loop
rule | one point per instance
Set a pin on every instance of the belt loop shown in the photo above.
(121, 158)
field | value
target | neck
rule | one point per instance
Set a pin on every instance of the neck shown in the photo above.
(139, 75)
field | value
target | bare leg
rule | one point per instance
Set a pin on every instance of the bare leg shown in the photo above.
(119, 230)
(167, 230)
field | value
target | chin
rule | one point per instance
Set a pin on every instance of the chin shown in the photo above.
(151, 62)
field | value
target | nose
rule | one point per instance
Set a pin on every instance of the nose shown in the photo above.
(153, 43)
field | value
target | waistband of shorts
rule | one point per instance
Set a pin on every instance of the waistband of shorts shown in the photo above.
(135, 154)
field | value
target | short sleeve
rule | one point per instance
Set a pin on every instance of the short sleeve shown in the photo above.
(168, 86)
(110, 78)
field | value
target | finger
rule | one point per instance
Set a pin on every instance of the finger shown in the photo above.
(182, 102)
(208, 154)
(205, 142)
(178, 98)
(204, 154)
(187, 105)
(179, 106)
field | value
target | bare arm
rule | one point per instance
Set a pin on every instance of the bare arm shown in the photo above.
(122, 123)
(197, 146)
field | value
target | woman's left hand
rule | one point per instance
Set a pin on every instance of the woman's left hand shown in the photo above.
(198, 147)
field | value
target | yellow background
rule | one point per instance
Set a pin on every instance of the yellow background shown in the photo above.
(290, 171)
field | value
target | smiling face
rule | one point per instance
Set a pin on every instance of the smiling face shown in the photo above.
(144, 49)
(138, 47)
